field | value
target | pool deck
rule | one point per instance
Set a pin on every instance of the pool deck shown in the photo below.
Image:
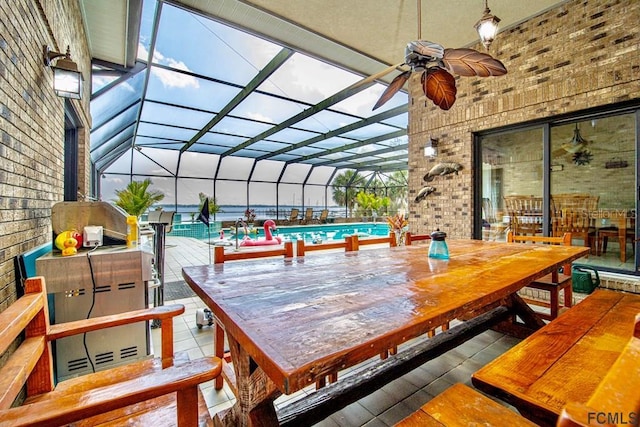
(384, 407)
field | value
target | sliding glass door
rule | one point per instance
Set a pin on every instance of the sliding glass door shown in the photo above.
(511, 169)
(593, 169)
(575, 175)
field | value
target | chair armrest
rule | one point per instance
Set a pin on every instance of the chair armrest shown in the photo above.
(64, 408)
(167, 312)
(76, 327)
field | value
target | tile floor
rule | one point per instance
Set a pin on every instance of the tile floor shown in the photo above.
(384, 407)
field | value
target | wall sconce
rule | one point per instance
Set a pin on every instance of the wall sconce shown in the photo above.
(487, 26)
(67, 80)
(430, 148)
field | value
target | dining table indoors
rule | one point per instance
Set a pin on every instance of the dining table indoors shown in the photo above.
(292, 323)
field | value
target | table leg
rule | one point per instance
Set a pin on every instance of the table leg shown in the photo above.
(256, 393)
(219, 350)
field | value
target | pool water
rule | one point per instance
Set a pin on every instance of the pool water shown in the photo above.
(309, 233)
(328, 232)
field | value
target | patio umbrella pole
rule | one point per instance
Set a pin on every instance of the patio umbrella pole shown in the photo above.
(209, 230)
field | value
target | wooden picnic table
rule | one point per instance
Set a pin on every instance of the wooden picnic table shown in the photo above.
(292, 323)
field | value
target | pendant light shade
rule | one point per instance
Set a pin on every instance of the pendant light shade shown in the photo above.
(487, 27)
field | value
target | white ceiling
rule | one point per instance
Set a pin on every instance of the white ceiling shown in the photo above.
(360, 35)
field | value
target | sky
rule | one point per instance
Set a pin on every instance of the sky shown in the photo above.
(202, 64)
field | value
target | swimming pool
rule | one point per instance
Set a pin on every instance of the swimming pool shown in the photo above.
(309, 233)
(328, 232)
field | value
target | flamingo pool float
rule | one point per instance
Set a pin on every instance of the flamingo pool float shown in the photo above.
(222, 241)
(268, 240)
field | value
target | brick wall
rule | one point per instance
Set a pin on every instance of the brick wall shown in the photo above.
(32, 124)
(579, 55)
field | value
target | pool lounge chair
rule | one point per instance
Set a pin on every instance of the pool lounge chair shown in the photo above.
(308, 216)
(322, 219)
(293, 216)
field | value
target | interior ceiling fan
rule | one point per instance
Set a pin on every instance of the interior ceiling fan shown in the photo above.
(437, 66)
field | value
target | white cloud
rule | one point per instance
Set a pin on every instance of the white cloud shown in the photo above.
(169, 78)
(261, 117)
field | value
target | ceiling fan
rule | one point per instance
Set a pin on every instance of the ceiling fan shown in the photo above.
(438, 65)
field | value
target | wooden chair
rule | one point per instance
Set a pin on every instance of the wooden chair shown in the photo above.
(142, 392)
(302, 248)
(220, 256)
(525, 214)
(492, 229)
(552, 283)
(570, 213)
(603, 235)
(409, 238)
(357, 242)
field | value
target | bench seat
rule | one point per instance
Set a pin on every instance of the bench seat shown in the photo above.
(615, 400)
(462, 406)
(565, 360)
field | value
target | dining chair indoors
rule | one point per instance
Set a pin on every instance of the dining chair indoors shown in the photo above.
(603, 235)
(571, 213)
(525, 214)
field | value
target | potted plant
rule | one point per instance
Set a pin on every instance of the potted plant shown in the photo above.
(398, 225)
(136, 198)
(214, 208)
(250, 215)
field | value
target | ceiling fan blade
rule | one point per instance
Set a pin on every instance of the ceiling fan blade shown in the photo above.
(374, 77)
(440, 87)
(470, 62)
(393, 88)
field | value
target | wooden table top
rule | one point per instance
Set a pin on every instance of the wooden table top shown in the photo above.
(306, 317)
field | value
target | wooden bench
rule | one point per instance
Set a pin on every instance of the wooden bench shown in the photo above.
(553, 283)
(615, 400)
(220, 256)
(565, 360)
(162, 390)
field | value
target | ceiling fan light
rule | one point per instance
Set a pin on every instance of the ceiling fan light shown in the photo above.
(577, 138)
(487, 27)
(576, 144)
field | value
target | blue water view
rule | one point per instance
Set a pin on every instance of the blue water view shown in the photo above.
(187, 213)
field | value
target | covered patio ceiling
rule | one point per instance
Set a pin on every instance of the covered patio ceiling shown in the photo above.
(282, 80)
